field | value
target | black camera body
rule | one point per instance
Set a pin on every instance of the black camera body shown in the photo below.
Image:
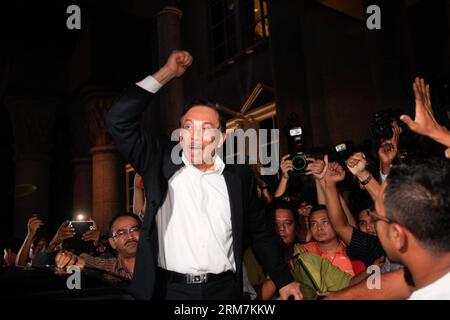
(76, 242)
(381, 125)
(341, 152)
(298, 154)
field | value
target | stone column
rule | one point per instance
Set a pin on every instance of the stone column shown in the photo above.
(82, 185)
(33, 120)
(107, 169)
(82, 162)
(172, 95)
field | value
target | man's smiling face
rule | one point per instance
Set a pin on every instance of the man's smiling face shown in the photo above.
(201, 134)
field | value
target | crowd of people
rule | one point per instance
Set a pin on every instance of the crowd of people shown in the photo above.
(398, 221)
(388, 212)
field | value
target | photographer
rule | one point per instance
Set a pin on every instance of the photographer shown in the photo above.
(40, 255)
(314, 167)
(23, 256)
(124, 235)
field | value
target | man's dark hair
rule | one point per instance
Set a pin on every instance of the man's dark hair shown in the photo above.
(282, 204)
(358, 201)
(418, 197)
(319, 207)
(121, 215)
(208, 104)
(38, 238)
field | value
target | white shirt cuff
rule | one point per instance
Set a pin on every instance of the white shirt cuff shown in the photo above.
(150, 84)
(383, 177)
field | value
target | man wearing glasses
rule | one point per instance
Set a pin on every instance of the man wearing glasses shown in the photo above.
(413, 224)
(124, 234)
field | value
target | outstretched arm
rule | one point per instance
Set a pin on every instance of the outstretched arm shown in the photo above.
(123, 119)
(393, 287)
(334, 174)
(357, 166)
(286, 166)
(350, 218)
(321, 199)
(425, 123)
(24, 252)
(388, 151)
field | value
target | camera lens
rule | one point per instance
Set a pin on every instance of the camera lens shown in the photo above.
(382, 128)
(299, 162)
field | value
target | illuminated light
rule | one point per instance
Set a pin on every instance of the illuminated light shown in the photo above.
(249, 51)
(80, 217)
(256, 10)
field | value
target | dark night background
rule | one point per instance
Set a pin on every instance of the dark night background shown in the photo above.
(314, 58)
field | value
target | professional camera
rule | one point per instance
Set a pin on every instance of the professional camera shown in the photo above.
(381, 125)
(341, 152)
(298, 155)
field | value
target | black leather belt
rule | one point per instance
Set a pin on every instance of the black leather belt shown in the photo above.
(176, 277)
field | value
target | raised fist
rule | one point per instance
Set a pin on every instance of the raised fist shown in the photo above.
(178, 62)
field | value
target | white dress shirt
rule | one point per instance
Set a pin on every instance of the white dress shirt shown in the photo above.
(194, 222)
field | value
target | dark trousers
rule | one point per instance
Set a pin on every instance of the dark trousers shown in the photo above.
(227, 288)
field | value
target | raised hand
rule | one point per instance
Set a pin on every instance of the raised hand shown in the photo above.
(357, 164)
(64, 232)
(178, 62)
(424, 123)
(317, 167)
(334, 174)
(304, 209)
(33, 225)
(92, 235)
(175, 67)
(388, 150)
(286, 166)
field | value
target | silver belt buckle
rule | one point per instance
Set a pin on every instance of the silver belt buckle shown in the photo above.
(196, 278)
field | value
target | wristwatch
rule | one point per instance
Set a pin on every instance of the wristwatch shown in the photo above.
(366, 181)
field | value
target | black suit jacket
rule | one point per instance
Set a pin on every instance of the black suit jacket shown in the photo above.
(150, 156)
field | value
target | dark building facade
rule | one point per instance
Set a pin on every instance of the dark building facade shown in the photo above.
(262, 61)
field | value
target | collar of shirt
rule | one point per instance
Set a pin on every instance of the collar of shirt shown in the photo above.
(342, 248)
(120, 267)
(314, 247)
(219, 165)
